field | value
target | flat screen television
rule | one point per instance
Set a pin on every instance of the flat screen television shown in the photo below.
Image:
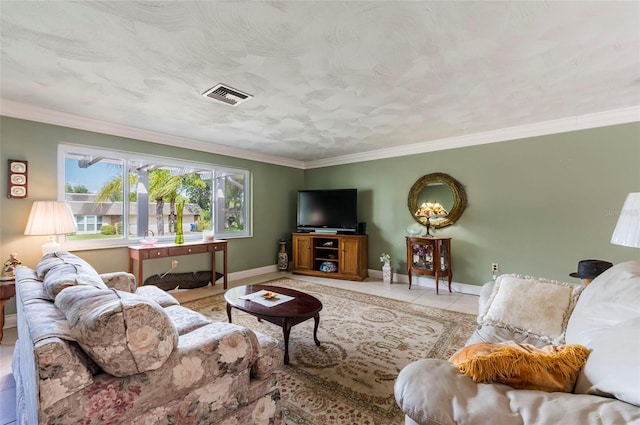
(328, 211)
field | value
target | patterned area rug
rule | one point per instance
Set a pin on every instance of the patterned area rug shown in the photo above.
(365, 341)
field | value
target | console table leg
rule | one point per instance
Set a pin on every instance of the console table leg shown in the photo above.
(224, 258)
(2, 318)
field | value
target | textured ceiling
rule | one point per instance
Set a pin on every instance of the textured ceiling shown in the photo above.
(329, 78)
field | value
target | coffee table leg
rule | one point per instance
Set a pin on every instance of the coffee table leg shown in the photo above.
(316, 320)
(286, 329)
(229, 312)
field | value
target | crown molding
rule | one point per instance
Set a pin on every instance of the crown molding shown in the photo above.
(563, 125)
(34, 113)
(600, 119)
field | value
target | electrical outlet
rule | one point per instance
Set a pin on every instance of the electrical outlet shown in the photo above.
(495, 267)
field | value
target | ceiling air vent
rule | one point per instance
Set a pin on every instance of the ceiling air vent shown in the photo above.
(227, 95)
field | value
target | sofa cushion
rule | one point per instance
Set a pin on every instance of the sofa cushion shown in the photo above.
(606, 319)
(184, 319)
(534, 306)
(613, 369)
(551, 368)
(613, 297)
(120, 280)
(62, 269)
(122, 332)
(156, 294)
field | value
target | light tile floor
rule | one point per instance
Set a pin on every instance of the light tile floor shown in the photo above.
(463, 303)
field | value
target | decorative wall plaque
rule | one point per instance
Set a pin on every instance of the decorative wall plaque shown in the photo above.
(17, 179)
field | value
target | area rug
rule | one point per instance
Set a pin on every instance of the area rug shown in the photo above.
(365, 341)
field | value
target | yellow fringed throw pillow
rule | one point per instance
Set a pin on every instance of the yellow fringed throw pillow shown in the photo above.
(551, 368)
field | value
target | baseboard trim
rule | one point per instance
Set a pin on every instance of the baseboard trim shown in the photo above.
(428, 282)
(243, 274)
(10, 320)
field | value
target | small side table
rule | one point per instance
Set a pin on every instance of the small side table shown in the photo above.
(7, 291)
(429, 256)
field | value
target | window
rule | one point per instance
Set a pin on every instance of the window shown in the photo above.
(120, 197)
(88, 223)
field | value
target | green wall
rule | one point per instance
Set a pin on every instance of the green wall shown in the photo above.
(536, 206)
(274, 195)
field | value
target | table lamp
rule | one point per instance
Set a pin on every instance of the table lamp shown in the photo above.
(430, 210)
(627, 231)
(50, 218)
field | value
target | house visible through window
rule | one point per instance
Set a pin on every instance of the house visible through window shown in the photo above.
(88, 223)
(120, 197)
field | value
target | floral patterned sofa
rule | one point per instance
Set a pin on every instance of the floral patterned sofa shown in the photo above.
(96, 349)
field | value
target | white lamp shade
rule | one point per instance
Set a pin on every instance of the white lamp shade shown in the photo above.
(627, 231)
(50, 218)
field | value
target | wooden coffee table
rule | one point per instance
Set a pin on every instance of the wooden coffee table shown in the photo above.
(286, 315)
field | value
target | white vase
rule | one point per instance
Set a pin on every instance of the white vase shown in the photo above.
(387, 273)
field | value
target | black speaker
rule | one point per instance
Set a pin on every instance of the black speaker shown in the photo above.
(362, 228)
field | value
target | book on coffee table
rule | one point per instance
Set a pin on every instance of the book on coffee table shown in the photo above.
(267, 298)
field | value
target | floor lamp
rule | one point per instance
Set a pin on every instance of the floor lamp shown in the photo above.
(627, 231)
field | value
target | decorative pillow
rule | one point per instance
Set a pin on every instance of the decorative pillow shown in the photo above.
(551, 368)
(532, 306)
(613, 368)
(122, 332)
(62, 269)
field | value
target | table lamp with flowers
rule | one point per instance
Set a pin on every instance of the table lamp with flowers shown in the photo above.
(429, 210)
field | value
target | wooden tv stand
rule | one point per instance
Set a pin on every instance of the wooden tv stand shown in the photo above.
(347, 254)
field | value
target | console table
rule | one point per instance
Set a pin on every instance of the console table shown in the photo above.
(429, 256)
(140, 253)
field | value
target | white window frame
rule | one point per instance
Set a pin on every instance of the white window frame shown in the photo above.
(65, 148)
(85, 223)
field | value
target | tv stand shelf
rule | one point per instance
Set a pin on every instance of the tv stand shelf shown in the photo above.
(340, 256)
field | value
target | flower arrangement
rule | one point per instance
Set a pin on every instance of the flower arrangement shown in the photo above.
(385, 258)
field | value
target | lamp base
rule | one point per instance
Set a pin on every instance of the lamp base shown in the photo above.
(51, 246)
(428, 227)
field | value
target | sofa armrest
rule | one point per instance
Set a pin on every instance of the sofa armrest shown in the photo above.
(266, 354)
(206, 354)
(122, 281)
(485, 294)
(270, 356)
(432, 391)
(208, 370)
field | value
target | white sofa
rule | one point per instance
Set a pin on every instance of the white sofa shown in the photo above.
(604, 317)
